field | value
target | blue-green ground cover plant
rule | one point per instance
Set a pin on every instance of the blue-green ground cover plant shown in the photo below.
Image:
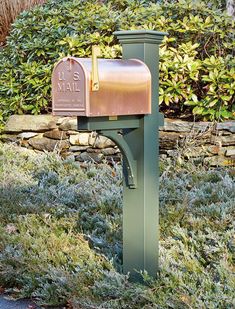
(197, 69)
(61, 234)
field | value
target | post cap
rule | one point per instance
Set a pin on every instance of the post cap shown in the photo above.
(140, 36)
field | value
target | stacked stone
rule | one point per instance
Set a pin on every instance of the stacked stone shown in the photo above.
(48, 133)
(213, 144)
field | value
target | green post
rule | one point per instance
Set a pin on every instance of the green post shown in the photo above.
(140, 205)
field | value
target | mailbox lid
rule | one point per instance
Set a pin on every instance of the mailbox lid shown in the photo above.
(124, 87)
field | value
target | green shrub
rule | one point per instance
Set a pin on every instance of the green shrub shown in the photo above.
(197, 60)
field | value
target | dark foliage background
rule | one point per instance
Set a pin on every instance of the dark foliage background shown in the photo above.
(197, 69)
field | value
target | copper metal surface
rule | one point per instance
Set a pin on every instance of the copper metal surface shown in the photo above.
(124, 88)
(69, 89)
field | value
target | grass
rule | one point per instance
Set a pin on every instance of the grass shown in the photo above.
(61, 234)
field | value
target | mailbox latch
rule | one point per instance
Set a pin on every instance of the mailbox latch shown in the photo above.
(94, 74)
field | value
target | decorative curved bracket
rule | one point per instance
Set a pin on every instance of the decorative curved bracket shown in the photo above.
(130, 164)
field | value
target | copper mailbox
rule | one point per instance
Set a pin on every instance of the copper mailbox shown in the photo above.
(124, 88)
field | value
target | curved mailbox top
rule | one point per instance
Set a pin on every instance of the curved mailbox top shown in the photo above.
(124, 88)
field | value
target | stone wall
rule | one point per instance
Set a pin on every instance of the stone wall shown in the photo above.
(214, 144)
(210, 143)
(48, 133)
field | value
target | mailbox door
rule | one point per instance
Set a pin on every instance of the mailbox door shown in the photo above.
(70, 95)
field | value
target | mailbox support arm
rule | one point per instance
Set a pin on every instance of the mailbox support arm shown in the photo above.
(130, 164)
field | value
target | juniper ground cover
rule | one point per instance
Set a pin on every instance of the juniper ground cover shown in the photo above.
(61, 234)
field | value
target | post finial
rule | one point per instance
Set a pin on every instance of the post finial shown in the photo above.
(139, 36)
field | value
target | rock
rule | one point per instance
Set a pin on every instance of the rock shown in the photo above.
(91, 157)
(109, 151)
(223, 132)
(185, 126)
(21, 123)
(103, 142)
(169, 140)
(117, 149)
(227, 125)
(9, 138)
(94, 150)
(60, 120)
(214, 149)
(70, 132)
(27, 135)
(223, 150)
(224, 140)
(69, 123)
(92, 138)
(74, 139)
(230, 152)
(81, 139)
(47, 144)
(77, 148)
(55, 134)
(77, 153)
(219, 161)
(24, 143)
(70, 157)
(84, 139)
(113, 159)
